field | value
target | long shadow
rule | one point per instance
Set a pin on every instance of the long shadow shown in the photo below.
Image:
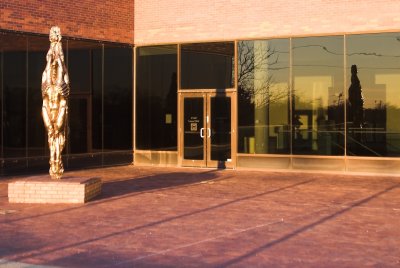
(129, 187)
(168, 219)
(305, 228)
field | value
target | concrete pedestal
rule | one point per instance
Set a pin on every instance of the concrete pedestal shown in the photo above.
(42, 189)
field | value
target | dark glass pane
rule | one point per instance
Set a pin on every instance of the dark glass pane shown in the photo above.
(1, 102)
(85, 101)
(373, 105)
(117, 98)
(79, 54)
(37, 137)
(207, 65)
(156, 93)
(193, 124)
(220, 128)
(14, 95)
(97, 112)
(318, 109)
(78, 136)
(263, 97)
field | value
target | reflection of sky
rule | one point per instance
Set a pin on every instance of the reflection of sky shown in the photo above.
(377, 57)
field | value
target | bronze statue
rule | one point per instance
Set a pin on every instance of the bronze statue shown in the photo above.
(55, 92)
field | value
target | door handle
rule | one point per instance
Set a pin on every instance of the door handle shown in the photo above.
(202, 132)
(208, 132)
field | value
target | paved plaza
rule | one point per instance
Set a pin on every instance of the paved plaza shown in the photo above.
(181, 217)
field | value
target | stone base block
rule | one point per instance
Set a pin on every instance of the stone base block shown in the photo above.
(42, 189)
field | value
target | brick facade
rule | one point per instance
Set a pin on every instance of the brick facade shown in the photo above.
(187, 21)
(110, 20)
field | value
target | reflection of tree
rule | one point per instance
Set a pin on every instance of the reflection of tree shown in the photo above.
(263, 90)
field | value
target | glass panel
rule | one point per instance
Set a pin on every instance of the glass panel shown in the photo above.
(79, 54)
(77, 113)
(193, 123)
(37, 137)
(207, 65)
(263, 97)
(97, 96)
(117, 98)
(373, 76)
(85, 103)
(156, 93)
(14, 95)
(318, 109)
(220, 128)
(1, 98)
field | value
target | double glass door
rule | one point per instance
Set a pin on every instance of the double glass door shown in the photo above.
(206, 130)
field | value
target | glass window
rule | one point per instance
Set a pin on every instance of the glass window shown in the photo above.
(318, 109)
(263, 97)
(156, 93)
(14, 95)
(1, 97)
(207, 65)
(373, 103)
(117, 98)
(79, 54)
(37, 137)
(97, 98)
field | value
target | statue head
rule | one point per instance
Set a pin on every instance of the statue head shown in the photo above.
(55, 34)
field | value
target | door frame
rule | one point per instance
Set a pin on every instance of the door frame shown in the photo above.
(206, 94)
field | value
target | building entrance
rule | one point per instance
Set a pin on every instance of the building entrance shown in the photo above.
(206, 130)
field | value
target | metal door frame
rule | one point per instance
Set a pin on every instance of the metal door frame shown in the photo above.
(206, 162)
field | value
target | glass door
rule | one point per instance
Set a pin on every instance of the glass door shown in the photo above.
(206, 130)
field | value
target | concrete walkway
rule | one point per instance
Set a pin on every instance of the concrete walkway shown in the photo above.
(180, 217)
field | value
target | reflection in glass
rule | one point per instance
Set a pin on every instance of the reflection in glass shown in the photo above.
(374, 128)
(14, 95)
(79, 65)
(79, 120)
(156, 93)
(22, 133)
(193, 148)
(318, 109)
(220, 128)
(263, 90)
(117, 98)
(97, 98)
(1, 103)
(207, 65)
(37, 136)
(78, 115)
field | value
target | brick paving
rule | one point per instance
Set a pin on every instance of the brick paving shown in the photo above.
(181, 217)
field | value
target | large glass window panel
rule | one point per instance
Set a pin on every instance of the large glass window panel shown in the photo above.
(207, 65)
(14, 95)
(117, 98)
(97, 98)
(37, 137)
(156, 93)
(318, 103)
(79, 54)
(1, 97)
(80, 59)
(373, 104)
(263, 97)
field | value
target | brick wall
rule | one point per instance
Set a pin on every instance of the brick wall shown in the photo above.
(182, 21)
(110, 20)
